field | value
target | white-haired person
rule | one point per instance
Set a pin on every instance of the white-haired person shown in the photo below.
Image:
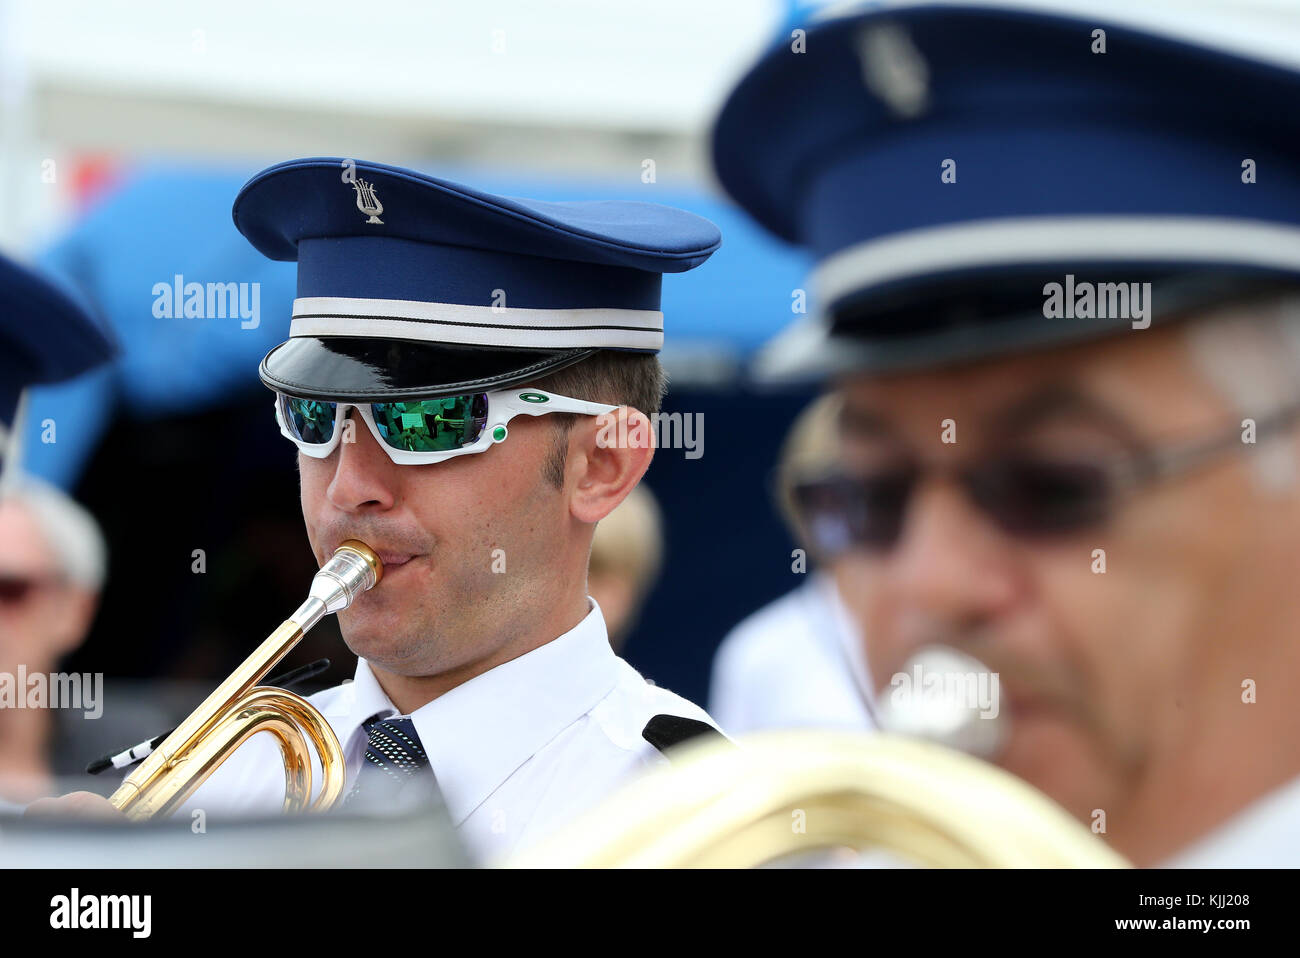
(52, 567)
(798, 661)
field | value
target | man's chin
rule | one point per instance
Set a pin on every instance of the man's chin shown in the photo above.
(376, 636)
(1052, 755)
(382, 652)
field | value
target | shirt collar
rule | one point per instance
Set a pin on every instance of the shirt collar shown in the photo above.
(1265, 834)
(844, 632)
(478, 733)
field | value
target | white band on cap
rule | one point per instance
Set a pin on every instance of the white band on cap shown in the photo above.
(1041, 239)
(478, 325)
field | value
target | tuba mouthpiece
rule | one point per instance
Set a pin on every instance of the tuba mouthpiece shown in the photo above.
(948, 697)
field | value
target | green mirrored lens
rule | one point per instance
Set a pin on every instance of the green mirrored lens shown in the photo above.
(309, 420)
(431, 425)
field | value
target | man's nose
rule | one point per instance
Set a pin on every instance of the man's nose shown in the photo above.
(952, 569)
(364, 479)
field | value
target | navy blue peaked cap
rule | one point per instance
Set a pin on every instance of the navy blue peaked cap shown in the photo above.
(45, 336)
(413, 285)
(942, 163)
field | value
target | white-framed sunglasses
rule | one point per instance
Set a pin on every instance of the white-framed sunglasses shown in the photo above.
(420, 431)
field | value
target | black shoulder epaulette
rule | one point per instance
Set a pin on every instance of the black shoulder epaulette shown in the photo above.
(666, 731)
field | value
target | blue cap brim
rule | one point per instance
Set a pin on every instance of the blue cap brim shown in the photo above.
(1128, 164)
(373, 370)
(45, 336)
(282, 205)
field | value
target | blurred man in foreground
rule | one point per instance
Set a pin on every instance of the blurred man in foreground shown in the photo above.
(1065, 313)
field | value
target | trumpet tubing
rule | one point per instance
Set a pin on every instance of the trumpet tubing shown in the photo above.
(239, 708)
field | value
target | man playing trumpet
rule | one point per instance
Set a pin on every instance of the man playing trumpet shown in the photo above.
(453, 370)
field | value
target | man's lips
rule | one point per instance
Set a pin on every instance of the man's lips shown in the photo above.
(393, 558)
(395, 564)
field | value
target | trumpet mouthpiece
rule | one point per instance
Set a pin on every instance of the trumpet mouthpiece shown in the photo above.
(358, 548)
(354, 568)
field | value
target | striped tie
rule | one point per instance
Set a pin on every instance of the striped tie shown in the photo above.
(394, 759)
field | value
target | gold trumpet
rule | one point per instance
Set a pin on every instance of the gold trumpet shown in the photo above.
(239, 709)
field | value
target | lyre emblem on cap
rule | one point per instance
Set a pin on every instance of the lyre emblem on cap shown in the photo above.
(367, 201)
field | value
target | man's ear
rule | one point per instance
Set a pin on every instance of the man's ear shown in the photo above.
(608, 455)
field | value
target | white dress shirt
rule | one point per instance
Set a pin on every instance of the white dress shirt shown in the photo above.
(517, 751)
(1266, 834)
(795, 662)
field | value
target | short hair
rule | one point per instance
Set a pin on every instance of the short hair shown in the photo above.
(607, 376)
(1249, 350)
(70, 532)
(811, 450)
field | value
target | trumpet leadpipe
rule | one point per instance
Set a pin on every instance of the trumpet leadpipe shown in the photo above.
(238, 708)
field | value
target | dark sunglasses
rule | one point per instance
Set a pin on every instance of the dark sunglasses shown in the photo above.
(17, 590)
(1030, 496)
